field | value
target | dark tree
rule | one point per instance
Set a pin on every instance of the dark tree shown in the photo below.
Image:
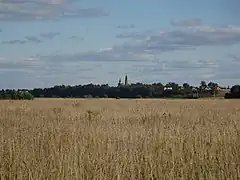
(203, 86)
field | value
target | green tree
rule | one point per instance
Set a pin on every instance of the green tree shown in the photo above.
(186, 86)
(203, 86)
(212, 85)
(235, 89)
(186, 89)
(28, 96)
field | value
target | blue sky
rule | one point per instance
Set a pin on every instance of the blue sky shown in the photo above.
(49, 42)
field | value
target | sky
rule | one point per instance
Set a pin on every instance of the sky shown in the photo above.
(53, 42)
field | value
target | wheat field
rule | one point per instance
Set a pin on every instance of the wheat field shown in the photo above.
(119, 139)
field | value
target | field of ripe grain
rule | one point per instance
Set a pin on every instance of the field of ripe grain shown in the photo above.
(120, 139)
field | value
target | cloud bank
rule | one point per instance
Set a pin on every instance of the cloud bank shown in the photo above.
(22, 10)
(181, 39)
(49, 35)
(32, 39)
(126, 26)
(187, 23)
(140, 57)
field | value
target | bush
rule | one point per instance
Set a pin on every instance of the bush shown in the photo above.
(16, 95)
(28, 96)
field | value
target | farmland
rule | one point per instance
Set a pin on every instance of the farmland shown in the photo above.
(120, 139)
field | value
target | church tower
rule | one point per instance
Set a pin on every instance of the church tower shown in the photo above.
(119, 82)
(126, 80)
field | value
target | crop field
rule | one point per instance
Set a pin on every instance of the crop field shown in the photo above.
(119, 139)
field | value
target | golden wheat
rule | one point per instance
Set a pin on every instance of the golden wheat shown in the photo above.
(120, 139)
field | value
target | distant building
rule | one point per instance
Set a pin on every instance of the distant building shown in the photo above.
(226, 90)
(119, 82)
(126, 80)
(168, 88)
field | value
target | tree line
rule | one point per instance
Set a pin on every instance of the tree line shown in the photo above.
(137, 90)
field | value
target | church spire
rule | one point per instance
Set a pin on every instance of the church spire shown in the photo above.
(119, 82)
(126, 80)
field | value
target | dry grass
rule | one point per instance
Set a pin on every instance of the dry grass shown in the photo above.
(120, 139)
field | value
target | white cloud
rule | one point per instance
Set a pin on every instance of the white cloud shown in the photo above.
(14, 42)
(2, 58)
(140, 57)
(76, 38)
(27, 39)
(183, 39)
(100, 67)
(11, 10)
(187, 22)
(32, 39)
(234, 58)
(49, 35)
(126, 26)
(147, 48)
